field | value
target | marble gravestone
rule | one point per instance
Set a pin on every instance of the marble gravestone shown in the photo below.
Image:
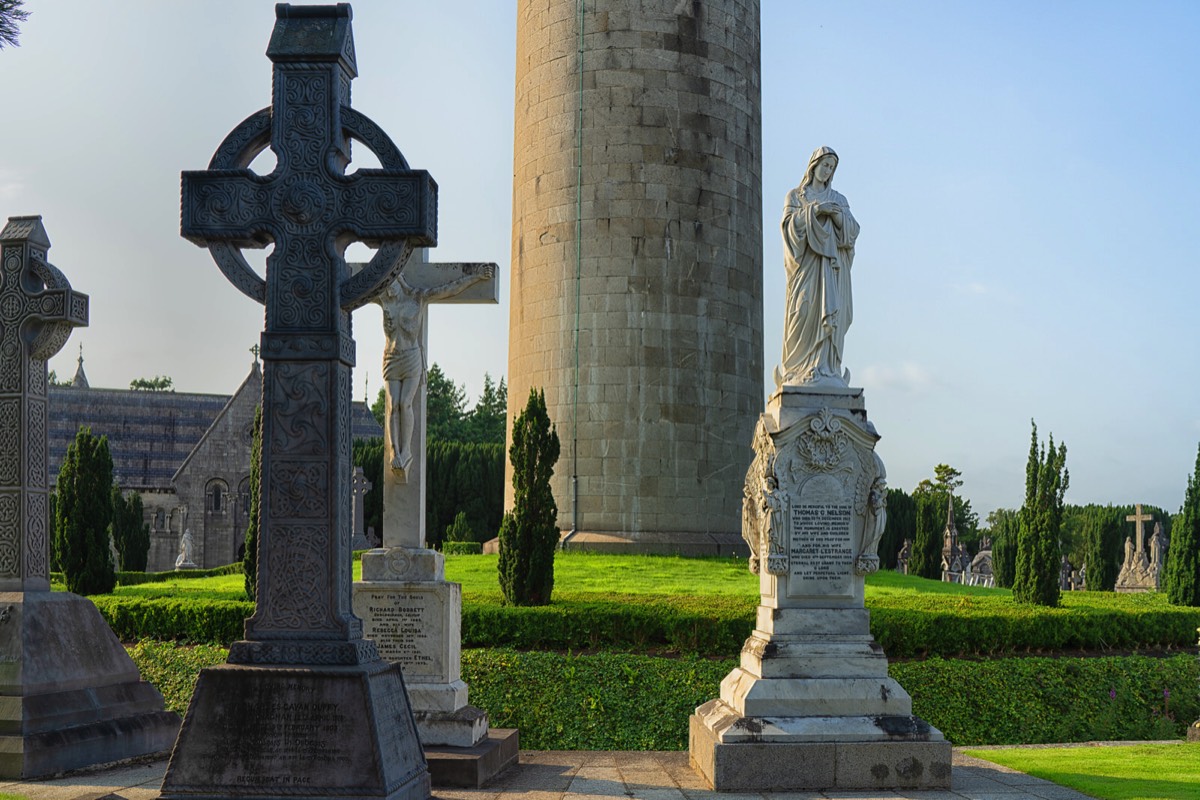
(811, 705)
(70, 696)
(408, 608)
(305, 706)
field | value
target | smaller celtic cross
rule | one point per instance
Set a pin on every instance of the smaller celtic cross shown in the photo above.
(38, 309)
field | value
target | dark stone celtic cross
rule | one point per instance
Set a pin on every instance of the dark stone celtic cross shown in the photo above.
(38, 309)
(310, 209)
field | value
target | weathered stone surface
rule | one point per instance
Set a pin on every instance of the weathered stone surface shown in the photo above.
(812, 679)
(659, 266)
(69, 694)
(474, 766)
(258, 732)
(766, 766)
(315, 711)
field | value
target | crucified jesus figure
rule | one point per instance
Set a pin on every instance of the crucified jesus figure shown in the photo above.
(404, 314)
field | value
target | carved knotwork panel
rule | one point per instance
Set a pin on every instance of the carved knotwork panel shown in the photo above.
(300, 402)
(299, 583)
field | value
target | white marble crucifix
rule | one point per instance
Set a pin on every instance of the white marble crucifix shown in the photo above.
(405, 304)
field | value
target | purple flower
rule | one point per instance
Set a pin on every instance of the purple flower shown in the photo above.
(1112, 694)
(1166, 694)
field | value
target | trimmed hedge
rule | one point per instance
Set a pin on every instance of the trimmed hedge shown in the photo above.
(462, 548)
(612, 701)
(907, 627)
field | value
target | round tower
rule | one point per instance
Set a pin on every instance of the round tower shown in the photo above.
(636, 287)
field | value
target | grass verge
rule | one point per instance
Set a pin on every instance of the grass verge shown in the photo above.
(1150, 771)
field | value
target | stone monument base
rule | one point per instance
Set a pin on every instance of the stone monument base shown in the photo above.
(878, 761)
(255, 732)
(414, 616)
(70, 696)
(473, 767)
(1193, 732)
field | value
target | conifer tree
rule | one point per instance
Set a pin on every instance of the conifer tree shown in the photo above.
(130, 533)
(250, 556)
(529, 532)
(1002, 526)
(1046, 481)
(83, 514)
(1102, 546)
(1183, 557)
(926, 558)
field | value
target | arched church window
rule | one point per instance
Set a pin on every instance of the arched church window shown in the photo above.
(215, 496)
(160, 520)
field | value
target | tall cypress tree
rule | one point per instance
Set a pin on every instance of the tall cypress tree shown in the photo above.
(901, 525)
(83, 515)
(1046, 481)
(926, 558)
(1102, 549)
(250, 556)
(529, 533)
(131, 534)
(1183, 558)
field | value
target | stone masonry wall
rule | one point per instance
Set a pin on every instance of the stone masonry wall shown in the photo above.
(668, 270)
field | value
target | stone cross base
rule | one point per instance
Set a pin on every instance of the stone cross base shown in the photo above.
(300, 731)
(414, 615)
(70, 696)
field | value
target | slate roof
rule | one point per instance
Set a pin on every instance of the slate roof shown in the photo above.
(150, 434)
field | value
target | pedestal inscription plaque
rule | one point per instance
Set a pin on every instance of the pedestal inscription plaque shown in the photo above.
(822, 550)
(406, 627)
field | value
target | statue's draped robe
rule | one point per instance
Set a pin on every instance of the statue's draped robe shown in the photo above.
(818, 257)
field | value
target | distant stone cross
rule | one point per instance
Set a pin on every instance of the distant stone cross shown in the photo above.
(38, 309)
(1139, 519)
(311, 210)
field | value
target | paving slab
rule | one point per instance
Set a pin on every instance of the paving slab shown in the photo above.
(579, 775)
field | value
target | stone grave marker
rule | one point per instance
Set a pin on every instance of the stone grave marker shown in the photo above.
(812, 706)
(407, 606)
(70, 696)
(305, 707)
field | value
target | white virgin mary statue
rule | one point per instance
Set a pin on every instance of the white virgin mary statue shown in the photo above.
(818, 237)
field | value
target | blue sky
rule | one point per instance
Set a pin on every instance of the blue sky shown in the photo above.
(1025, 174)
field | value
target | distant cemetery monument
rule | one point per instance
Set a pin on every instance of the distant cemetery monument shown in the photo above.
(70, 696)
(305, 707)
(636, 276)
(407, 606)
(812, 706)
(1142, 567)
(187, 454)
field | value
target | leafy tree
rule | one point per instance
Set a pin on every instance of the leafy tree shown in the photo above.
(1101, 551)
(368, 454)
(379, 408)
(529, 532)
(1038, 559)
(11, 13)
(159, 383)
(83, 514)
(486, 421)
(1183, 558)
(130, 531)
(1003, 524)
(250, 555)
(946, 480)
(52, 377)
(445, 418)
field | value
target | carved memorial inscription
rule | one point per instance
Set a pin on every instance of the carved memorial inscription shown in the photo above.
(294, 734)
(821, 546)
(406, 627)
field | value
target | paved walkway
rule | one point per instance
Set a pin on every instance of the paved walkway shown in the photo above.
(582, 775)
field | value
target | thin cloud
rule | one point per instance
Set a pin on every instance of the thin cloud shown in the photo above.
(907, 376)
(10, 184)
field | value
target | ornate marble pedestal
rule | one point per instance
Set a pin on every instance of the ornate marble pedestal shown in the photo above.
(811, 706)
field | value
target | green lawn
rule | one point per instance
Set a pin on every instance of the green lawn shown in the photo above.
(1128, 772)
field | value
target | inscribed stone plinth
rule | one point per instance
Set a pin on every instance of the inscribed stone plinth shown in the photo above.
(811, 705)
(407, 606)
(304, 681)
(70, 696)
